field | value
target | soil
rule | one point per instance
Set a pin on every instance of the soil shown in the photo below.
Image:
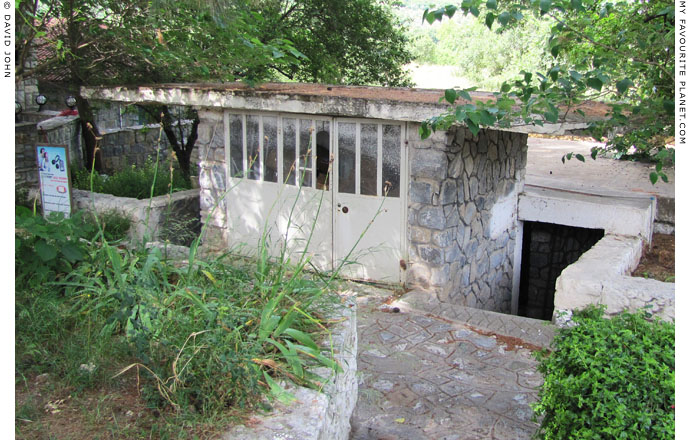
(658, 262)
(45, 409)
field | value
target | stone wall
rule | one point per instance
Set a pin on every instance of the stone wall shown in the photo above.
(463, 215)
(547, 250)
(212, 179)
(27, 135)
(120, 147)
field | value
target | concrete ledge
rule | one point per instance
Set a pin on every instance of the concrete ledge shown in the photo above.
(620, 215)
(178, 203)
(315, 416)
(601, 276)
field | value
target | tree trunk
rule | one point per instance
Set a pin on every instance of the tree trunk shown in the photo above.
(183, 150)
(90, 135)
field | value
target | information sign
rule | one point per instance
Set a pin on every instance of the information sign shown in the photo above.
(53, 173)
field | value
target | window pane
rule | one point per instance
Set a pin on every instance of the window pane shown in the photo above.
(270, 149)
(391, 160)
(346, 157)
(253, 147)
(289, 145)
(323, 154)
(305, 147)
(368, 154)
(236, 168)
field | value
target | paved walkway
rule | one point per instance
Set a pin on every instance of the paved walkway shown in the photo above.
(435, 371)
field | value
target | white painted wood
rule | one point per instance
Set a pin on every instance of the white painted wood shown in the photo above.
(368, 237)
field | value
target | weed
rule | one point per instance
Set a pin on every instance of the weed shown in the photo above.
(132, 181)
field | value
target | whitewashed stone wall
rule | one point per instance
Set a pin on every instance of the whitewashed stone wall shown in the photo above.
(463, 215)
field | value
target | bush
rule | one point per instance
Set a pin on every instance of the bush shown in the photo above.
(609, 379)
(133, 181)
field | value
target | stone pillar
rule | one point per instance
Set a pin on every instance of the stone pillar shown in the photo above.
(463, 215)
(212, 179)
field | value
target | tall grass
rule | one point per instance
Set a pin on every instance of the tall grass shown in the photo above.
(206, 336)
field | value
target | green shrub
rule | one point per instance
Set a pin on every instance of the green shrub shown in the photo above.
(132, 182)
(609, 379)
(46, 248)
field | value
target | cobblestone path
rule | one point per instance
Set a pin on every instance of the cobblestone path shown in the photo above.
(429, 373)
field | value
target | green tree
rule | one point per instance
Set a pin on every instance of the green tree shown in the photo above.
(358, 42)
(621, 53)
(102, 42)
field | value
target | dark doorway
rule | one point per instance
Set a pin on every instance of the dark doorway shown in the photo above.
(546, 250)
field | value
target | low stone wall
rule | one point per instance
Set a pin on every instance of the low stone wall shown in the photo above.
(314, 415)
(463, 198)
(601, 276)
(178, 205)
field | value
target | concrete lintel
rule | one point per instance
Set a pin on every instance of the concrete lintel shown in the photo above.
(282, 101)
(55, 122)
(632, 216)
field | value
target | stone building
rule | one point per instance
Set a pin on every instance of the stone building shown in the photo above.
(340, 179)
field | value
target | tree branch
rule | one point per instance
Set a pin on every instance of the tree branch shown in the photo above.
(612, 49)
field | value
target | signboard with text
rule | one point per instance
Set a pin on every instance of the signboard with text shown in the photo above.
(53, 174)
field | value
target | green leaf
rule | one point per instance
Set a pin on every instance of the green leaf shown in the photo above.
(301, 337)
(424, 131)
(503, 18)
(464, 94)
(664, 177)
(450, 95)
(595, 83)
(486, 118)
(45, 251)
(575, 75)
(669, 106)
(551, 117)
(475, 11)
(474, 117)
(279, 392)
(505, 87)
(576, 4)
(623, 85)
(653, 177)
(71, 252)
(474, 128)
(489, 21)
(555, 49)
(545, 6)
(450, 10)
(580, 157)
(491, 4)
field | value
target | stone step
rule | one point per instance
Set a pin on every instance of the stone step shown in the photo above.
(534, 332)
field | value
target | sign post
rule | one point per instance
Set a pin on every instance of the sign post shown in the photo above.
(53, 178)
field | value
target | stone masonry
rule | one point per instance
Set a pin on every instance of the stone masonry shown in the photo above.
(212, 179)
(462, 215)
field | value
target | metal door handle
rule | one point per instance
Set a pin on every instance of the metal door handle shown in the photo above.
(345, 210)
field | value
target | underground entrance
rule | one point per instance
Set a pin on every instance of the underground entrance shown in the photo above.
(548, 249)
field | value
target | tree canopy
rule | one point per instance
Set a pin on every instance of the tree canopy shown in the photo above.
(619, 52)
(102, 42)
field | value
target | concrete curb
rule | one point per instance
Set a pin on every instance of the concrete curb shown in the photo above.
(601, 276)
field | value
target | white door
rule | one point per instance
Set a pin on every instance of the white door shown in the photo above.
(281, 174)
(277, 195)
(369, 214)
